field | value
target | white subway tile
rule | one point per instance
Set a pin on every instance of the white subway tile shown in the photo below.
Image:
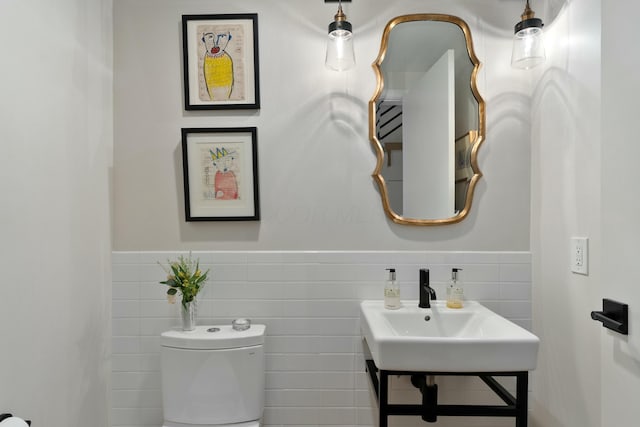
(265, 272)
(152, 272)
(409, 273)
(365, 416)
(414, 258)
(125, 273)
(137, 398)
(153, 291)
(125, 308)
(136, 381)
(524, 323)
(515, 257)
(309, 380)
(158, 308)
(226, 258)
(313, 344)
(481, 291)
(242, 290)
(516, 309)
(204, 308)
(157, 325)
(493, 305)
(150, 344)
(317, 290)
(309, 301)
(125, 362)
(125, 326)
(262, 257)
(321, 308)
(144, 417)
(515, 273)
(150, 362)
(308, 416)
(222, 273)
(515, 291)
(408, 291)
(364, 398)
(124, 345)
(363, 382)
(366, 258)
(310, 362)
(475, 258)
(125, 290)
(299, 397)
(135, 362)
(313, 326)
(479, 272)
(247, 308)
(359, 361)
(342, 272)
(153, 257)
(440, 272)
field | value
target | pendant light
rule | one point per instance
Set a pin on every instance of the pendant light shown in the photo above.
(528, 46)
(340, 54)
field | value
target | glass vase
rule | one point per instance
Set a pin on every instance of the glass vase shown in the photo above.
(189, 315)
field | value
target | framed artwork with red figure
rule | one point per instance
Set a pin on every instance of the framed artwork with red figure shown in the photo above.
(220, 168)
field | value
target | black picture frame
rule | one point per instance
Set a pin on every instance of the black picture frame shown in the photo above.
(220, 170)
(221, 61)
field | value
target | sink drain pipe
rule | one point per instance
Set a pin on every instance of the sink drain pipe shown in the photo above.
(429, 389)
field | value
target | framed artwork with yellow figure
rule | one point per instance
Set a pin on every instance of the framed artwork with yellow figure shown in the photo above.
(220, 54)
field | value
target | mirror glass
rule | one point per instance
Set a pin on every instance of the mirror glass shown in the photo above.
(426, 119)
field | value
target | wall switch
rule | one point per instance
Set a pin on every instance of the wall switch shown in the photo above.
(580, 255)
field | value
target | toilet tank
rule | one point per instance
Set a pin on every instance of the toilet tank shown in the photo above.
(213, 377)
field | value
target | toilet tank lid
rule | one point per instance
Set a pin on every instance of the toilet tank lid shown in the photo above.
(208, 338)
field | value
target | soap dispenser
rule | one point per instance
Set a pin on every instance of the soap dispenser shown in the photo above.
(455, 290)
(391, 291)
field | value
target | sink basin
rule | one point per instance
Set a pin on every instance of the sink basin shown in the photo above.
(468, 339)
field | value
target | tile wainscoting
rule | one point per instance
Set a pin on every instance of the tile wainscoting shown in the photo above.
(310, 303)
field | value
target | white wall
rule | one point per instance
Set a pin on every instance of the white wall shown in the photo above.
(566, 173)
(54, 218)
(620, 226)
(314, 154)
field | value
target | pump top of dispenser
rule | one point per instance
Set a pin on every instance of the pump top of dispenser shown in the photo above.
(454, 274)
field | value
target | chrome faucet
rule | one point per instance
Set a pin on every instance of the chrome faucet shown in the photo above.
(427, 293)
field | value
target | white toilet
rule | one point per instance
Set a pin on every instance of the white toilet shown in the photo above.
(213, 377)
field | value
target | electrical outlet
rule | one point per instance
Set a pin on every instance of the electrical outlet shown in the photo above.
(580, 255)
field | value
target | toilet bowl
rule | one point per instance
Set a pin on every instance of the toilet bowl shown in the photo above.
(213, 376)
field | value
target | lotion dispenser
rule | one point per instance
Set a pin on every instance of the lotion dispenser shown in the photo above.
(455, 290)
(391, 291)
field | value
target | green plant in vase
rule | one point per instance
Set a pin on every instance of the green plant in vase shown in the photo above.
(185, 277)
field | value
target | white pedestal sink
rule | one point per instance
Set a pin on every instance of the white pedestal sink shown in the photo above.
(440, 339)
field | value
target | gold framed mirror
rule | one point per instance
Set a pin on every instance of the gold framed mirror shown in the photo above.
(426, 119)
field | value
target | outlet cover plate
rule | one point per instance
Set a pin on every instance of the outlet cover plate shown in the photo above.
(580, 255)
